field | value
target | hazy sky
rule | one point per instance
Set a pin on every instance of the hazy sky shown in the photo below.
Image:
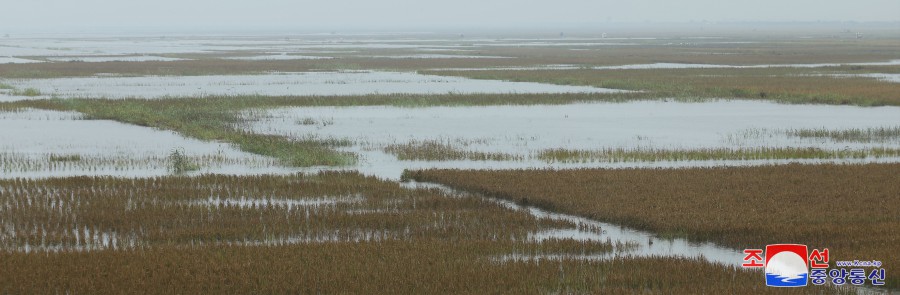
(416, 14)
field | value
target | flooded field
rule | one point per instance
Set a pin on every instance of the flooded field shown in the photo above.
(341, 83)
(507, 137)
(14, 60)
(40, 144)
(278, 57)
(86, 45)
(894, 78)
(129, 58)
(464, 164)
(682, 203)
(663, 66)
(640, 243)
(419, 56)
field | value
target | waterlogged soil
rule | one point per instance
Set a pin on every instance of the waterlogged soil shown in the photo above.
(88, 45)
(278, 57)
(427, 56)
(284, 84)
(640, 243)
(129, 58)
(40, 143)
(893, 78)
(15, 60)
(669, 66)
(762, 66)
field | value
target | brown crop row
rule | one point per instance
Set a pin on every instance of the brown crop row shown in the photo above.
(391, 267)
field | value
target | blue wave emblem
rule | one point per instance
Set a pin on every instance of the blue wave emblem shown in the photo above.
(774, 280)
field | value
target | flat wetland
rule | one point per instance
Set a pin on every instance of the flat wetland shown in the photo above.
(440, 163)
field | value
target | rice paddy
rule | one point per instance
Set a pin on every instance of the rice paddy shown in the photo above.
(440, 163)
(215, 210)
(737, 207)
(212, 226)
(381, 267)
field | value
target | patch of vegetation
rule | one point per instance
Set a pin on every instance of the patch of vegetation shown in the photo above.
(23, 164)
(27, 92)
(437, 150)
(613, 155)
(307, 121)
(65, 158)
(880, 134)
(785, 85)
(179, 163)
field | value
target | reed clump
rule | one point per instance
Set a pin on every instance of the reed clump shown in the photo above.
(179, 163)
(65, 158)
(31, 92)
(441, 150)
(877, 134)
